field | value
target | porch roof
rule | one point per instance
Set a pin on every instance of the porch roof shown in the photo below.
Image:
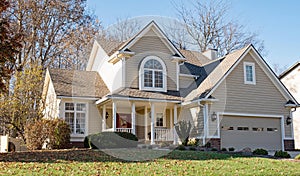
(136, 93)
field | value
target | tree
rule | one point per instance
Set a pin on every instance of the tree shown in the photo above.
(208, 27)
(10, 43)
(24, 103)
(56, 32)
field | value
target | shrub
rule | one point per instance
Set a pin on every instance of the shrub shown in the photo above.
(193, 148)
(111, 140)
(224, 149)
(193, 142)
(260, 152)
(297, 157)
(181, 147)
(231, 149)
(55, 131)
(214, 149)
(282, 154)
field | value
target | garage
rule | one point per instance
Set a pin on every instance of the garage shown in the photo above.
(254, 132)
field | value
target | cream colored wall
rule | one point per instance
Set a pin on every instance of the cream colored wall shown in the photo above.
(146, 46)
(261, 98)
(195, 116)
(51, 101)
(292, 83)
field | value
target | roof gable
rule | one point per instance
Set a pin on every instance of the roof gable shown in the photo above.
(286, 72)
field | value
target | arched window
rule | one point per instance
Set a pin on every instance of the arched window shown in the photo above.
(153, 74)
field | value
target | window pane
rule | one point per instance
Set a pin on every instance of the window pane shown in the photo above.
(158, 77)
(159, 120)
(80, 123)
(148, 78)
(157, 65)
(69, 118)
(149, 64)
(80, 107)
(249, 73)
(153, 64)
(69, 106)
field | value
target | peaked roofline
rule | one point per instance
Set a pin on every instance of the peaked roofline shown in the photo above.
(134, 39)
(249, 47)
(291, 68)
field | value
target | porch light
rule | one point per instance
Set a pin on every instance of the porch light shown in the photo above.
(213, 117)
(288, 120)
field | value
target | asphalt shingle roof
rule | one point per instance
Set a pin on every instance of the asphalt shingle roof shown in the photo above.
(76, 83)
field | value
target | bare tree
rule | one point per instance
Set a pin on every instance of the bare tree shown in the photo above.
(208, 26)
(52, 31)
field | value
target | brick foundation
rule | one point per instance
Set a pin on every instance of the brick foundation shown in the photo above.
(215, 143)
(289, 144)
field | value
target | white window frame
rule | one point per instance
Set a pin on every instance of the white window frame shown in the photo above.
(141, 75)
(164, 119)
(253, 73)
(73, 133)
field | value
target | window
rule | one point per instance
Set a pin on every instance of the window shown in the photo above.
(243, 128)
(153, 74)
(159, 120)
(249, 73)
(227, 128)
(75, 115)
(257, 129)
(272, 129)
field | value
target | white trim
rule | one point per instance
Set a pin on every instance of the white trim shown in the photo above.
(199, 100)
(205, 116)
(123, 72)
(103, 117)
(145, 99)
(114, 120)
(146, 122)
(189, 76)
(175, 142)
(251, 64)
(87, 119)
(133, 117)
(141, 75)
(261, 115)
(152, 123)
(78, 98)
(177, 76)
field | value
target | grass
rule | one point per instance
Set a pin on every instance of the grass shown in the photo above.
(93, 162)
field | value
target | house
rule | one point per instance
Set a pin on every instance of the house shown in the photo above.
(146, 85)
(291, 79)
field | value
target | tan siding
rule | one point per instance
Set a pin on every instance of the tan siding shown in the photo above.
(147, 46)
(261, 98)
(95, 119)
(195, 116)
(168, 118)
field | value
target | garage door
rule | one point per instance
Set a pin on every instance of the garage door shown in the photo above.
(253, 132)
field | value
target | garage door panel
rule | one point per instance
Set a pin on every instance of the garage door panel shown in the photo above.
(254, 132)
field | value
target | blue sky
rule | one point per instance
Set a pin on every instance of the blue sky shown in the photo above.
(276, 21)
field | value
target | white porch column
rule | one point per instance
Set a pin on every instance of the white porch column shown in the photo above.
(103, 117)
(175, 121)
(205, 117)
(114, 111)
(146, 123)
(152, 123)
(133, 117)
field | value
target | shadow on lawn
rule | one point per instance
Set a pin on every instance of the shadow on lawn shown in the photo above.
(109, 155)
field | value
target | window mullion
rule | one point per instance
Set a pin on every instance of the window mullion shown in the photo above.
(153, 77)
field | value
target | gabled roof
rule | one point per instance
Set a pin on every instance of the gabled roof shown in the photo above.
(286, 72)
(195, 57)
(76, 83)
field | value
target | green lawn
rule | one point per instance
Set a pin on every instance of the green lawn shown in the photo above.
(92, 162)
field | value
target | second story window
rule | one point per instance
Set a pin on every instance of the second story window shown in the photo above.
(152, 74)
(249, 73)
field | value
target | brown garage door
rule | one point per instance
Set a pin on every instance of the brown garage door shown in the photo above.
(253, 132)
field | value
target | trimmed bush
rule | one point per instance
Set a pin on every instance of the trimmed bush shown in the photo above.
(260, 152)
(224, 150)
(181, 147)
(55, 132)
(282, 154)
(297, 157)
(231, 149)
(214, 149)
(106, 140)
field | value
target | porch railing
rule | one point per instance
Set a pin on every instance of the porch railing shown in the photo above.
(128, 130)
(162, 134)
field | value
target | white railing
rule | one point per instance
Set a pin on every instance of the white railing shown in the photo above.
(128, 130)
(108, 129)
(162, 134)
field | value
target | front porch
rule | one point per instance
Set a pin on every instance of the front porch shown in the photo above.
(151, 122)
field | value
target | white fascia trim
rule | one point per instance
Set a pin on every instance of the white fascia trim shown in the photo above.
(145, 99)
(78, 98)
(187, 75)
(199, 100)
(99, 101)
